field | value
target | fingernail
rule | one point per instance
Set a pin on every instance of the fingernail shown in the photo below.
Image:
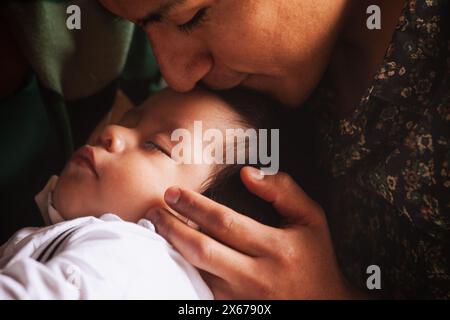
(172, 196)
(256, 174)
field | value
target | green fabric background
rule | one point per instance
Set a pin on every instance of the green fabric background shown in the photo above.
(74, 76)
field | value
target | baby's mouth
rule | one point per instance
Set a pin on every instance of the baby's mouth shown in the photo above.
(85, 157)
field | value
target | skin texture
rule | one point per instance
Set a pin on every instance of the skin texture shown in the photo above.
(209, 52)
(282, 48)
(133, 174)
(248, 260)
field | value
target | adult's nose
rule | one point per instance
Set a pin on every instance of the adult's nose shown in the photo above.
(113, 138)
(183, 59)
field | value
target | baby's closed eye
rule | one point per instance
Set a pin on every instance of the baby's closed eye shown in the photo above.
(152, 146)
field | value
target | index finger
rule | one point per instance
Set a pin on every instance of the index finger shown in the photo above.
(221, 223)
(200, 250)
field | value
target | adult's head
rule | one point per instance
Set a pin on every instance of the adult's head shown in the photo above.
(278, 47)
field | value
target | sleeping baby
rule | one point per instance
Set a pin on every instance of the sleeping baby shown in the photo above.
(97, 243)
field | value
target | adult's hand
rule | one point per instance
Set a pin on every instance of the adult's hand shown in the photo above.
(243, 259)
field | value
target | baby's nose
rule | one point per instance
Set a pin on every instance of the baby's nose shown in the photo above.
(112, 139)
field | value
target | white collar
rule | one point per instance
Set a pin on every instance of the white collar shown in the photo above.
(44, 202)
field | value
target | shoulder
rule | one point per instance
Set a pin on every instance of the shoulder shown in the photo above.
(129, 257)
(414, 172)
(106, 243)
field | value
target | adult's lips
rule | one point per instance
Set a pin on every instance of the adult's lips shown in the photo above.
(85, 157)
(217, 81)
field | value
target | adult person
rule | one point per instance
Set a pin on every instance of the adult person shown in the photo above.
(380, 103)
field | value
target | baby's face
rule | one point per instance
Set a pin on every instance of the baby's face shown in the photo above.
(130, 166)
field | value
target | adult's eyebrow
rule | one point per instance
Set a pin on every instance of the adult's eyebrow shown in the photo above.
(163, 10)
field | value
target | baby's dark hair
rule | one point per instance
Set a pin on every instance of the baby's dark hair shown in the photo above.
(224, 186)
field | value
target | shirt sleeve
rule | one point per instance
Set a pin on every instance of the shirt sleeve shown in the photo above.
(29, 279)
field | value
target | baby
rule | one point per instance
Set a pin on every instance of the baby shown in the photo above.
(98, 244)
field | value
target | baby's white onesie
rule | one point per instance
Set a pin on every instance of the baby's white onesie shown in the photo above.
(96, 258)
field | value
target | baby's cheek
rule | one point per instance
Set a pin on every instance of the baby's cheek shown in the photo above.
(134, 197)
(194, 176)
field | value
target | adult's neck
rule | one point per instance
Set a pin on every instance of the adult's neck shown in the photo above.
(360, 51)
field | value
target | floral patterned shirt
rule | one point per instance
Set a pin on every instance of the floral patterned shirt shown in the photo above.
(388, 163)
